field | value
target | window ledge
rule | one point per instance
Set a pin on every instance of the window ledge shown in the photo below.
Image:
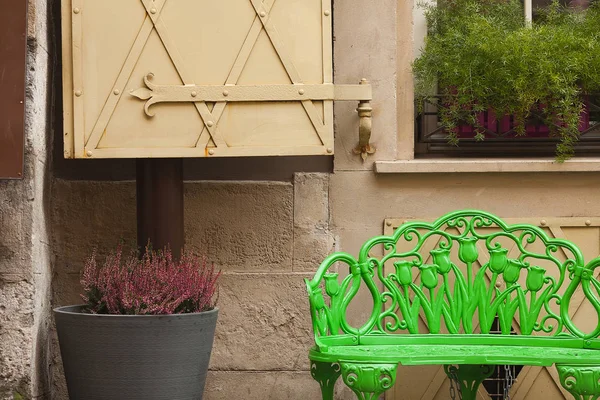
(437, 166)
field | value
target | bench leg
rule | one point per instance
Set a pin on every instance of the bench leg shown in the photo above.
(326, 374)
(469, 377)
(582, 381)
(369, 381)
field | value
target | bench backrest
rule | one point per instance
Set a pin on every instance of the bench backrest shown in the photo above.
(463, 274)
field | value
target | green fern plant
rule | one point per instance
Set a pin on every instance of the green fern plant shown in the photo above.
(481, 55)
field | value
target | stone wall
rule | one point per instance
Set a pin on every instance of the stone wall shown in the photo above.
(265, 236)
(24, 245)
(16, 289)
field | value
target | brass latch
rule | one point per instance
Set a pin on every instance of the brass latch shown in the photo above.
(365, 113)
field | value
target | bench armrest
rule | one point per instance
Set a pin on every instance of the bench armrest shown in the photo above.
(591, 288)
(329, 317)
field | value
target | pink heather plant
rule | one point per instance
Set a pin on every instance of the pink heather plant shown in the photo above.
(154, 284)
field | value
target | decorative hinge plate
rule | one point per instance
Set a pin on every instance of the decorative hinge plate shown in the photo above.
(154, 94)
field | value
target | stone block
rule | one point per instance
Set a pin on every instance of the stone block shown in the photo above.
(241, 226)
(88, 215)
(16, 305)
(238, 226)
(226, 385)
(16, 325)
(15, 225)
(433, 195)
(311, 200)
(15, 363)
(264, 323)
(311, 248)
(366, 46)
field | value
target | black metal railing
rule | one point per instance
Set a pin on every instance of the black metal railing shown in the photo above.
(500, 135)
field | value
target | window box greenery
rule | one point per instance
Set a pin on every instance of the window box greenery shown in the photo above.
(482, 55)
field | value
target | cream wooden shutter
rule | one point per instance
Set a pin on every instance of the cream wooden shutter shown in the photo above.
(199, 78)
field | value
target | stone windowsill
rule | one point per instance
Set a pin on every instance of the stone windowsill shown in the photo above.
(591, 164)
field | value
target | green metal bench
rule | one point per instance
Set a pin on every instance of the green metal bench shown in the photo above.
(459, 275)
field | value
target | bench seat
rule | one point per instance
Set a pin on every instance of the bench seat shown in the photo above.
(457, 354)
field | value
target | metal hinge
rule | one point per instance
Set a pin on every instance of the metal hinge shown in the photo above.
(154, 94)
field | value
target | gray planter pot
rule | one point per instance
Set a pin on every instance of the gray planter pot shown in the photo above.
(133, 357)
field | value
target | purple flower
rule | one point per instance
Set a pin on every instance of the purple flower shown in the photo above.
(154, 284)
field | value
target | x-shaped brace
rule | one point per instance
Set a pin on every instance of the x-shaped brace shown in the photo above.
(151, 22)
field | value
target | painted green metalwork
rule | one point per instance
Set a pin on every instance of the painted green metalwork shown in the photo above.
(469, 377)
(455, 277)
(326, 374)
(582, 381)
(369, 381)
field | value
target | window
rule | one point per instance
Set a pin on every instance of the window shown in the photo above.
(499, 132)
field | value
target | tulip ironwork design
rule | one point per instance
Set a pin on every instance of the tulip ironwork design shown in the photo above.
(468, 276)
(498, 260)
(441, 258)
(429, 276)
(513, 271)
(404, 272)
(535, 279)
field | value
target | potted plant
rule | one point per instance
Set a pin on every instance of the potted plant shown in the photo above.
(145, 330)
(482, 55)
